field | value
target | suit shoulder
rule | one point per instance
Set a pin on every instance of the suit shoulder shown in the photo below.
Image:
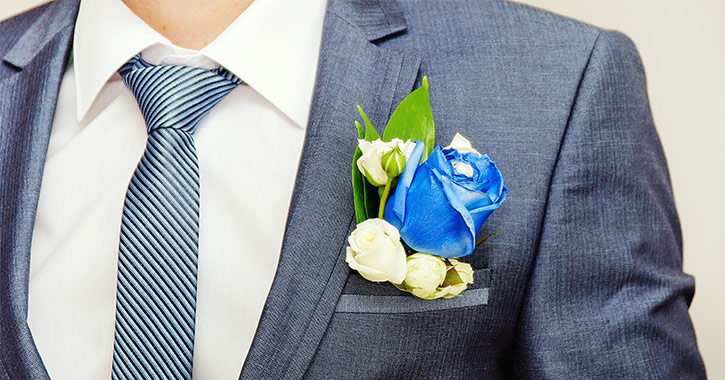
(499, 22)
(12, 29)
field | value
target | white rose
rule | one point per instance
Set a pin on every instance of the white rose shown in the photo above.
(376, 252)
(462, 145)
(425, 273)
(465, 272)
(372, 154)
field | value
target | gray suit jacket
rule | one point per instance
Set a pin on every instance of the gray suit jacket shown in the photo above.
(586, 279)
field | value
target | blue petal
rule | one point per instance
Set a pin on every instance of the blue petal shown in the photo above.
(439, 211)
(395, 207)
(432, 225)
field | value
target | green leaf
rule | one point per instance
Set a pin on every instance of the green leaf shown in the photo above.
(370, 133)
(452, 278)
(413, 119)
(358, 188)
(372, 200)
(404, 287)
(365, 195)
(367, 200)
(360, 131)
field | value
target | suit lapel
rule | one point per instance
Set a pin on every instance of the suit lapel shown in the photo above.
(30, 75)
(312, 272)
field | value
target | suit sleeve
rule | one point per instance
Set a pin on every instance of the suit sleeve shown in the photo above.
(607, 297)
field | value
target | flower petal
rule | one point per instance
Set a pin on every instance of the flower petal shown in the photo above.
(462, 145)
(395, 208)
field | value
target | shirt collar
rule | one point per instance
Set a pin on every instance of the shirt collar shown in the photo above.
(273, 46)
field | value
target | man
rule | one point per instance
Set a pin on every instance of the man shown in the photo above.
(585, 280)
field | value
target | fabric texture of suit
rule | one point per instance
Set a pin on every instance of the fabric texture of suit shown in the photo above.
(585, 280)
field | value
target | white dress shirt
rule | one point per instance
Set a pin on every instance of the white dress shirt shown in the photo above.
(248, 148)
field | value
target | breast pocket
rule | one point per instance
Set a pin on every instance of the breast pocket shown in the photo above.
(362, 296)
(379, 332)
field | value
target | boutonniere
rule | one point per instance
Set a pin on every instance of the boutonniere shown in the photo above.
(419, 207)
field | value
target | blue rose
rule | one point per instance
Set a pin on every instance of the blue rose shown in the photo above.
(440, 205)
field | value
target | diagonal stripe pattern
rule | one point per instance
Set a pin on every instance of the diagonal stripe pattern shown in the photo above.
(157, 259)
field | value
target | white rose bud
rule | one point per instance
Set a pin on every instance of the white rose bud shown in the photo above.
(462, 145)
(464, 272)
(432, 277)
(393, 162)
(376, 252)
(372, 155)
(425, 273)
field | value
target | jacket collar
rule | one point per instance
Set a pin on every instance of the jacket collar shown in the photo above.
(53, 18)
(375, 20)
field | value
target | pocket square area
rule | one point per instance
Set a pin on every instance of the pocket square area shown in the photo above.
(361, 296)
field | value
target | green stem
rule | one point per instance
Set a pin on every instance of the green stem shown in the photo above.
(483, 239)
(384, 198)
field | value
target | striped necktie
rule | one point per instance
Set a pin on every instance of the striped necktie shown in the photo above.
(157, 259)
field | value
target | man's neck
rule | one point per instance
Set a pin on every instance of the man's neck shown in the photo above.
(190, 24)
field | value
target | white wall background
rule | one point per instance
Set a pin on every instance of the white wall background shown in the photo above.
(682, 44)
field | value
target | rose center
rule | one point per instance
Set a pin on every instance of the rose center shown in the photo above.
(463, 168)
(370, 239)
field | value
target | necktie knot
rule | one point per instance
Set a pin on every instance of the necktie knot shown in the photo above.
(178, 97)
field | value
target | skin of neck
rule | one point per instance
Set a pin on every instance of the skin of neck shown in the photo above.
(191, 24)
